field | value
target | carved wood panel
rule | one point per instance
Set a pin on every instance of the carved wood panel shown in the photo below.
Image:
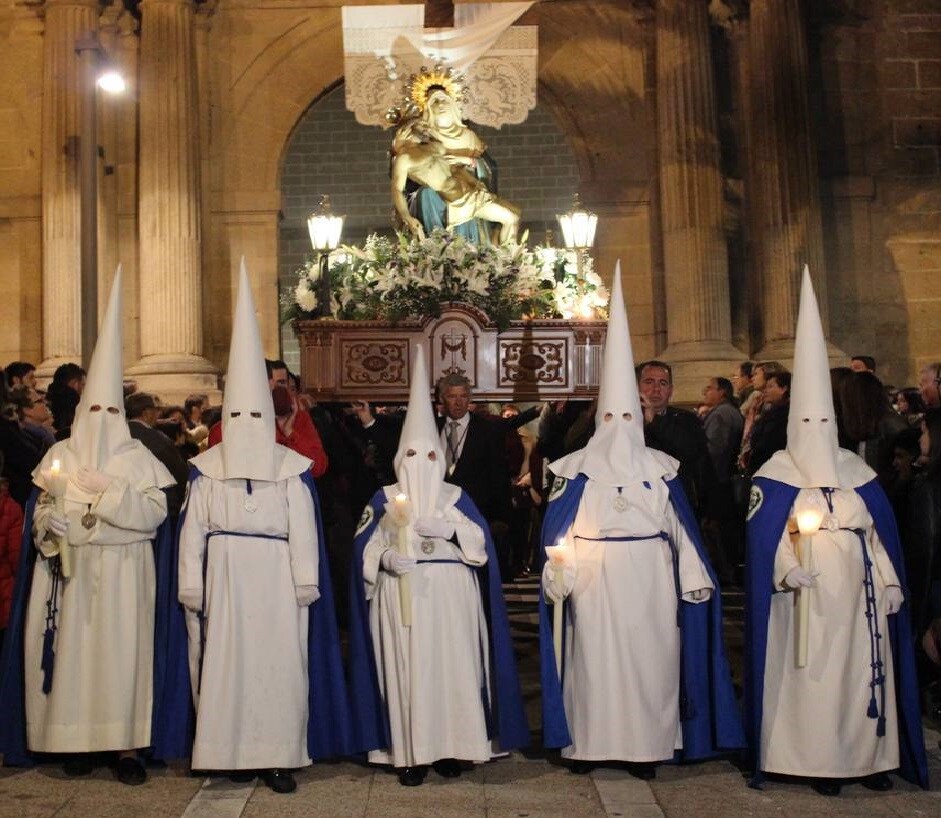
(374, 363)
(533, 362)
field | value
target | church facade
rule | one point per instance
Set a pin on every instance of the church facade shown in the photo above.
(722, 144)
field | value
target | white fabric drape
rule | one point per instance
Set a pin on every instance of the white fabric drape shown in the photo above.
(477, 27)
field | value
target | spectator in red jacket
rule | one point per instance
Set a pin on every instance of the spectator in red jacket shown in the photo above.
(11, 531)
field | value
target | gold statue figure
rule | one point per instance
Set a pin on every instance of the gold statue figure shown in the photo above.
(440, 156)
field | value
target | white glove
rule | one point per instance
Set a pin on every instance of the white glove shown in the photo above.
(91, 480)
(57, 524)
(396, 563)
(557, 585)
(434, 527)
(306, 595)
(699, 595)
(892, 599)
(797, 577)
(191, 599)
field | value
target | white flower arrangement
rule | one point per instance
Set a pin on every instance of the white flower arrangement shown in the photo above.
(404, 277)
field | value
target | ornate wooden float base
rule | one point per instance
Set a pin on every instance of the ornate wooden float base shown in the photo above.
(528, 361)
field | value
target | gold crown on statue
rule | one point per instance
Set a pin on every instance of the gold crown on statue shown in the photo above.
(419, 86)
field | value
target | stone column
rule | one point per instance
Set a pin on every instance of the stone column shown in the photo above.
(694, 247)
(171, 315)
(785, 200)
(63, 99)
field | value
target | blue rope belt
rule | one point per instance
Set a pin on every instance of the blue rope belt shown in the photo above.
(223, 533)
(876, 665)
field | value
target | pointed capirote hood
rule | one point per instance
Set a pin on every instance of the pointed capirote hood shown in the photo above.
(420, 474)
(813, 458)
(616, 453)
(100, 427)
(248, 423)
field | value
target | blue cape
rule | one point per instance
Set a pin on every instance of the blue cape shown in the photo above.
(769, 509)
(508, 717)
(708, 711)
(172, 710)
(329, 731)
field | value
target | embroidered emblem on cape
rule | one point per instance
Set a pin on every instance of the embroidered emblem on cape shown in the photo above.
(558, 486)
(365, 520)
(88, 521)
(755, 499)
(428, 546)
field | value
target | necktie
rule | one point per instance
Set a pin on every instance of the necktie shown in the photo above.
(453, 443)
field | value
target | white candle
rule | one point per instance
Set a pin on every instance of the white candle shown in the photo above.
(558, 556)
(809, 519)
(57, 489)
(402, 510)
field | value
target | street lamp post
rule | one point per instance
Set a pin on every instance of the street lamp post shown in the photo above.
(578, 231)
(89, 52)
(325, 229)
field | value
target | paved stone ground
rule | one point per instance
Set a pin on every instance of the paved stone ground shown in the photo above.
(521, 786)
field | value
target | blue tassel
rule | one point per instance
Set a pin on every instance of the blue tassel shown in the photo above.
(880, 726)
(873, 711)
(48, 659)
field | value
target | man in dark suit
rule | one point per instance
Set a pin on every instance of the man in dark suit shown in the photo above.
(677, 432)
(141, 411)
(475, 458)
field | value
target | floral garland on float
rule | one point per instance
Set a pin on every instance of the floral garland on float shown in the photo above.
(404, 277)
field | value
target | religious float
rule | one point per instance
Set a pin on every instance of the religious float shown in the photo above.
(454, 278)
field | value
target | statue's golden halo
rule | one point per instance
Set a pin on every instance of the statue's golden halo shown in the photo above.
(420, 85)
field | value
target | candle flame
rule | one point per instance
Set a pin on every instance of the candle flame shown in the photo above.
(56, 465)
(401, 498)
(809, 520)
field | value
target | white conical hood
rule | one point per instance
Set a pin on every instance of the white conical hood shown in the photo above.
(100, 428)
(616, 453)
(421, 474)
(811, 426)
(248, 424)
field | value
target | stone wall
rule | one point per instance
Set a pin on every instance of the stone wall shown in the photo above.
(908, 48)
(879, 132)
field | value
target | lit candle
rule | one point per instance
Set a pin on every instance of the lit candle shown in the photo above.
(57, 490)
(809, 517)
(558, 555)
(402, 514)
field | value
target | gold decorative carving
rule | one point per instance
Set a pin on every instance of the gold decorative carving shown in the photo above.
(370, 363)
(533, 362)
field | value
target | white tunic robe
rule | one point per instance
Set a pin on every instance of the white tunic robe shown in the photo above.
(431, 675)
(622, 643)
(252, 692)
(102, 691)
(815, 721)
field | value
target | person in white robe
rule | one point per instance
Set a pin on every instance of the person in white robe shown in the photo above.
(833, 715)
(432, 664)
(626, 566)
(101, 502)
(248, 572)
